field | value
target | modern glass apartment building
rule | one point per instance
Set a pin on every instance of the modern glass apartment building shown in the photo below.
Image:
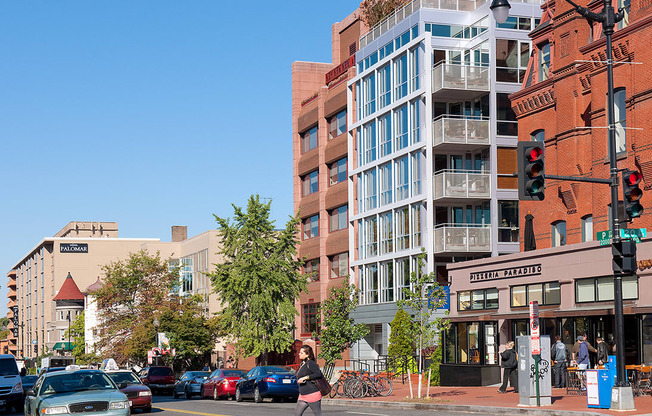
(431, 145)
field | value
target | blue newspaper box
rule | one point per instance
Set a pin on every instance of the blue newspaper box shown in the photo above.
(599, 384)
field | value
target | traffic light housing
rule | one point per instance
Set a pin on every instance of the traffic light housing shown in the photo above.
(624, 257)
(632, 193)
(531, 171)
(35, 349)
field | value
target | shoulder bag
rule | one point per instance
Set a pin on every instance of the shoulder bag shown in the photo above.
(322, 384)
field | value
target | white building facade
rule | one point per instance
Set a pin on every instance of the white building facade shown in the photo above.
(431, 143)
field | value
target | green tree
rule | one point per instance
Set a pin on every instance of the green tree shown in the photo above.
(401, 346)
(339, 331)
(422, 299)
(258, 281)
(134, 291)
(373, 12)
(77, 333)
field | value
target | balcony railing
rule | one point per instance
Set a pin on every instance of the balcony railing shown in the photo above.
(461, 184)
(460, 77)
(449, 130)
(462, 238)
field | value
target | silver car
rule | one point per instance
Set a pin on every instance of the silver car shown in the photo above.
(189, 384)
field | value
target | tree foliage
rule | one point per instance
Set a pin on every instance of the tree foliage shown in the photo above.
(339, 331)
(258, 280)
(401, 345)
(78, 336)
(373, 12)
(137, 290)
(421, 300)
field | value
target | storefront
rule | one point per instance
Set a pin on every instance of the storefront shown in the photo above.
(574, 288)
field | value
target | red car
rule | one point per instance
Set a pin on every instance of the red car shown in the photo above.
(221, 383)
(158, 378)
(139, 395)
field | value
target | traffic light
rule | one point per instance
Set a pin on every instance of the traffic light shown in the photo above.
(632, 193)
(35, 349)
(531, 179)
(624, 257)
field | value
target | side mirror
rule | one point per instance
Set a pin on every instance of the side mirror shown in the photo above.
(30, 392)
(122, 386)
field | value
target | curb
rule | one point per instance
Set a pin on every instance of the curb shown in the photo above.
(458, 408)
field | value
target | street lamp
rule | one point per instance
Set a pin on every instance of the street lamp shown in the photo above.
(156, 325)
(69, 331)
(608, 17)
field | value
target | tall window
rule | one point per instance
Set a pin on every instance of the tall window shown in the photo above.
(311, 270)
(625, 5)
(387, 276)
(402, 229)
(337, 171)
(620, 119)
(310, 318)
(339, 265)
(386, 233)
(401, 126)
(311, 183)
(417, 168)
(386, 184)
(415, 136)
(506, 125)
(402, 276)
(369, 95)
(309, 139)
(416, 225)
(385, 133)
(538, 136)
(371, 285)
(337, 125)
(544, 61)
(587, 228)
(414, 69)
(400, 77)
(511, 60)
(370, 189)
(402, 178)
(339, 218)
(559, 234)
(371, 237)
(384, 86)
(311, 227)
(370, 142)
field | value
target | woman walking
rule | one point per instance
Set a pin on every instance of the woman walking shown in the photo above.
(309, 395)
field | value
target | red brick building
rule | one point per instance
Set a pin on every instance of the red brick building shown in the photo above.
(563, 102)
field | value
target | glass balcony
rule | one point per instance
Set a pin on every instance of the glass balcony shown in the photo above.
(449, 132)
(461, 184)
(462, 238)
(462, 82)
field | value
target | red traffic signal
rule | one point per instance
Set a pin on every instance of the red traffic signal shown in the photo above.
(632, 193)
(531, 177)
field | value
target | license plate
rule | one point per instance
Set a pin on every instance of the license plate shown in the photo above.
(131, 403)
(287, 381)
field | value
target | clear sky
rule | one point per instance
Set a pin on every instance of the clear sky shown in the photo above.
(151, 113)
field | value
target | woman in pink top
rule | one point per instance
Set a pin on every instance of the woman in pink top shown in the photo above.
(309, 395)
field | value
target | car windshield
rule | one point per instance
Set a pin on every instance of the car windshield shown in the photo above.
(198, 374)
(29, 379)
(275, 370)
(232, 373)
(77, 381)
(160, 371)
(124, 377)
(8, 367)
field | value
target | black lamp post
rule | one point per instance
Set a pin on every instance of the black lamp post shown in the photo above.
(608, 17)
(69, 320)
(156, 325)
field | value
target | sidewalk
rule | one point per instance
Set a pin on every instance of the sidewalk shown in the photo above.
(477, 399)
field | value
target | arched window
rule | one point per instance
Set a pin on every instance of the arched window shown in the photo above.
(559, 233)
(587, 228)
(538, 136)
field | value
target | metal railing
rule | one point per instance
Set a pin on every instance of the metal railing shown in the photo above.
(460, 77)
(449, 129)
(457, 238)
(461, 184)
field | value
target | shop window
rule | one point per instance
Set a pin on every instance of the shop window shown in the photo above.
(477, 299)
(601, 289)
(543, 293)
(463, 343)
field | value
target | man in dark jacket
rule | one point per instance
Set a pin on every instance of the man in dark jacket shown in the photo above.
(603, 351)
(560, 356)
(509, 363)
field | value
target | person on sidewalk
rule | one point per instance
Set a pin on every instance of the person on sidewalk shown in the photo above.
(576, 346)
(309, 395)
(583, 354)
(603, 351)
(509, 363)
(560, 356)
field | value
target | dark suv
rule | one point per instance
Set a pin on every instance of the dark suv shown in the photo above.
(158, 379)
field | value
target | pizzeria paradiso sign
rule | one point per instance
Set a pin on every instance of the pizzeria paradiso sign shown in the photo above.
(506, 273)
(73, 248)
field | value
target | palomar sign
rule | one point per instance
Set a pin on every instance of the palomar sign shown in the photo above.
(73, 248)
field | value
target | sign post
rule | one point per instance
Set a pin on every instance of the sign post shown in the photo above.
(535, 344)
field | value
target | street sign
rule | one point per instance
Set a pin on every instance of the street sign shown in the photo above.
(604, 237)
(535, 345)
(534, 327)
(633, 233)
(34, 341)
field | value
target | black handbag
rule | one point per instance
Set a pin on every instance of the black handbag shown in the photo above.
(323, 385)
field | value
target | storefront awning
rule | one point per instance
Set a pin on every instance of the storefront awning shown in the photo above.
(472, 317)
(63, 346)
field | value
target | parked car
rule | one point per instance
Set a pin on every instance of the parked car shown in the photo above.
(80, 391)
(139, 395)
(51, 369)
(11, 387)
(221, 383)
(158, 378)
(28, 382)
(190, 383)
(266, 381)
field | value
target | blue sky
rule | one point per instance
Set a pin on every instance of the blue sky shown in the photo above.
(148, 113)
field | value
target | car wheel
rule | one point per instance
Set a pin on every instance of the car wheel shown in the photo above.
(201, 392)
(238, 395)
(147, 409)
(174, 393)
(188, 394)
(215, 393)
(257, 397)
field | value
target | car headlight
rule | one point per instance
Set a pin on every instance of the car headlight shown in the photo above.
(145, 393)
(119, 405)
(17, 388)
(54, 410)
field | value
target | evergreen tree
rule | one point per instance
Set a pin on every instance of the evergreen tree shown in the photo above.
(339, 331)
(401, 348)
(258, 281)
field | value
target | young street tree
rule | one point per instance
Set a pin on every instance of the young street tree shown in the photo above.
(401, 345)
(258, 280)
(339, 331)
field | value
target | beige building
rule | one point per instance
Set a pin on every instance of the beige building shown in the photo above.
(80, 249)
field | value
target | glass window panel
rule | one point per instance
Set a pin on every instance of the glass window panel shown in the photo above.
(477, 299)
(552, 293)
(535, 293)
(585, 290)
(464, 300)
(492, 299)
(519, 296)
(605, 288)
(491, 344)
(630, 288)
